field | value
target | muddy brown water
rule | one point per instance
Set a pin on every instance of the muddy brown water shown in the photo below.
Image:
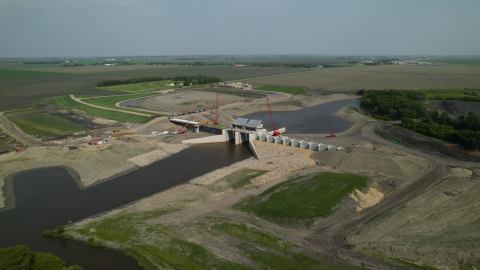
(318, 119)
(49, 197)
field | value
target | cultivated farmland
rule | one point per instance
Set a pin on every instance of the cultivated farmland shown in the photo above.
(20, 93)
(346, 80)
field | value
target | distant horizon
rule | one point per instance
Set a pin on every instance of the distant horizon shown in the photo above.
(237, 55)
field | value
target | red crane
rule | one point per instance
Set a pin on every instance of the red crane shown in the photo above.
(181, 131)
(275, 130)
(216, 114)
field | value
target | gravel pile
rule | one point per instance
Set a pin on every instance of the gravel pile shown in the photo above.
(148, 158)
(154, 156)
(104, 121)
(366, 145)
(172, 148)
(460, 172)
(278, 160)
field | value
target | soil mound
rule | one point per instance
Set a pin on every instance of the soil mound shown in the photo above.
(104, 121)
(457, 108)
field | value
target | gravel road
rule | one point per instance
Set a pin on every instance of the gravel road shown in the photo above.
(331, 241)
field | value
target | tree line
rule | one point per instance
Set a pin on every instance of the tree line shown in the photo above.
(74, 65)
(184, 64)
(185, 79)
(407, 105)
(41, 62)
(21, 257)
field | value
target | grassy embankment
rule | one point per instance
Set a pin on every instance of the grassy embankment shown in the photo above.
(109, 102)
(10, 73)
(167, 245)
(303, 198)
(44, 125)
(139, 87)
(68, 103)
(283, 89)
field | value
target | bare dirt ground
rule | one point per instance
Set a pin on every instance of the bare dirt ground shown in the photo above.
(187, 101)
(345, 80)
(97, 69)
(458, 108)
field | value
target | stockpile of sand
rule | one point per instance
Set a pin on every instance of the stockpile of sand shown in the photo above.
(366, 145)
(104, 121)
(460, 172)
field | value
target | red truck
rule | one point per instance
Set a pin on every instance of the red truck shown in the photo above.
(155, 116)
(331, 136)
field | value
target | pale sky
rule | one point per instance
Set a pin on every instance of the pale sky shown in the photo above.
(69, 28)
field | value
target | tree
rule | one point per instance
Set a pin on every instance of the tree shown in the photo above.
(21, 257)
(59, 230)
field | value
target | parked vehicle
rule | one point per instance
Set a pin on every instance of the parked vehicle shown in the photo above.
(155, 116)
(331, 136)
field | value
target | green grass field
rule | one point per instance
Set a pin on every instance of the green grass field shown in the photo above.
(109, 102)
(68, 103)
(10, 73)
(242, 177)
(283, 89)
(444, 93)
(303, 198)
(139, 87)
(45, 125)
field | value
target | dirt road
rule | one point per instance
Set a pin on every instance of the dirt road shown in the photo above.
(105, 108)
(331, 241)
(14, 132)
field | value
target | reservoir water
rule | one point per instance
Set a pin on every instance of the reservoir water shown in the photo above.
(314, 120)
(49, 197)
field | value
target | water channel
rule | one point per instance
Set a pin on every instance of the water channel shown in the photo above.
(49, 197)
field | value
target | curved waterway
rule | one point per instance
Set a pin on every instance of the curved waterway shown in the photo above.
(49, 197)
(318, 119)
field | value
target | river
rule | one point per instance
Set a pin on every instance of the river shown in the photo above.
(49, 197)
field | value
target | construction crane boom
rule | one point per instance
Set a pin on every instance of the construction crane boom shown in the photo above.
(181, 131)
(275, 130)
(216, 113)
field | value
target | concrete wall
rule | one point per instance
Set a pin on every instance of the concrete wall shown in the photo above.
(252, 148)
(294, 143)
(210, 139)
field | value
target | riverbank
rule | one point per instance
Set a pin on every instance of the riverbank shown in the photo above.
(92, 164)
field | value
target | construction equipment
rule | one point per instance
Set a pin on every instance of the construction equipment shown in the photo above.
(275, 129)
(181, 131)
(216, 113)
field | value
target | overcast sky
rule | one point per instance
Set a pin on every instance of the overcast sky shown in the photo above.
(56, 28)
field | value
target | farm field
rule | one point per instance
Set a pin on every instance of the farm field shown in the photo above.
(9, 73)
(41, 125)
(20, 93)
(456, 70)
(87, 69)
(68, 103)
(283, 89)
(444, 93)
(345, 80)
(138, 87)
(109, 102)
(470, 60)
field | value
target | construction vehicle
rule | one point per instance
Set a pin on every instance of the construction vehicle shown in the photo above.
(275, 129)
(181, 130)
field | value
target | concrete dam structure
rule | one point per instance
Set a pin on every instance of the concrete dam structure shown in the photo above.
(246, 132)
